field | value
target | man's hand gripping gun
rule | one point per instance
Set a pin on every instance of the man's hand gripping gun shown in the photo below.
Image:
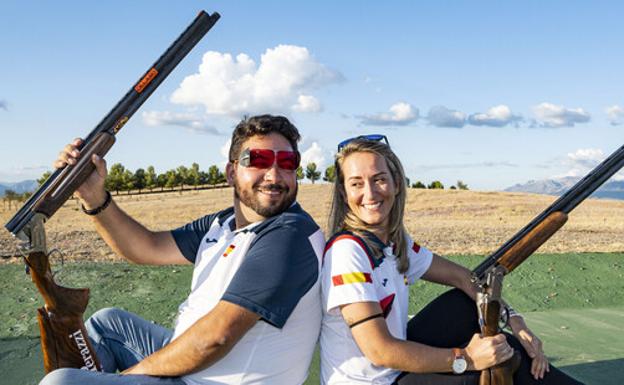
(488, 276)
(63, 337)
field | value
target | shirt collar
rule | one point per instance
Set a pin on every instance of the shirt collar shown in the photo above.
(231, 223)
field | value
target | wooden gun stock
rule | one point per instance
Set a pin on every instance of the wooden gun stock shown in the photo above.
(64, 341)
(489, 303)
(501, 374)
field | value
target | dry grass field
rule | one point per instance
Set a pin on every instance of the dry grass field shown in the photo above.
(447, 221)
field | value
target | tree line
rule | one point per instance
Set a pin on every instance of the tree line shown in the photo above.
(120, 179)
(437, 185)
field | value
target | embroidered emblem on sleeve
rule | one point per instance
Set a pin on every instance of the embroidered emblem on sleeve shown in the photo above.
(416, 247)
(358, 277)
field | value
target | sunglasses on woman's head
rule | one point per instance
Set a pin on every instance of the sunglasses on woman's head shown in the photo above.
(265, 158)
(371, 137)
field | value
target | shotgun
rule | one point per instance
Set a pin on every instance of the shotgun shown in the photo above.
(64, 340)
(488, 276)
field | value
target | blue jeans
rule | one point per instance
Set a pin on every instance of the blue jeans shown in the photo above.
(120, 339)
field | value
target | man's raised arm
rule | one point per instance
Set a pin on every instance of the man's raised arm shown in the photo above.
(121, 232)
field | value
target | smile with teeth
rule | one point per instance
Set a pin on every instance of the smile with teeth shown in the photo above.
(372, 206)
(271, 190)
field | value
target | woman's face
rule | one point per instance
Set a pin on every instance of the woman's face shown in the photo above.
(369, 187)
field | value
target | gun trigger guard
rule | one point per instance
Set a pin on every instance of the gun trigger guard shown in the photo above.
(504, 318)
(54, 273)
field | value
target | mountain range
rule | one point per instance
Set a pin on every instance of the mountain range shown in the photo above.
(610, 190)
(18, 187)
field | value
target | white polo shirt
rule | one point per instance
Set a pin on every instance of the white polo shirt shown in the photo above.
(270, 268)
(351, 274)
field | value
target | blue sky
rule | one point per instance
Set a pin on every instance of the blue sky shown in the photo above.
(492, 93)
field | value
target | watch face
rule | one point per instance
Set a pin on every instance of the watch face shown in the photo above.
(459, 365)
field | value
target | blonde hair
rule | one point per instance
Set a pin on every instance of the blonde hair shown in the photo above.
(341, 218)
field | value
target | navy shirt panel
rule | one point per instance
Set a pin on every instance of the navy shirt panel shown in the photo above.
(279, 268)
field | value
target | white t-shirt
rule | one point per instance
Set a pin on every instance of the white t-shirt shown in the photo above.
(351, 274)
(270, 268)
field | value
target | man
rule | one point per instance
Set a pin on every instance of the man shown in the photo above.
(253, 315)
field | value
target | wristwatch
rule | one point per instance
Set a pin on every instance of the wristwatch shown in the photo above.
(459, 361)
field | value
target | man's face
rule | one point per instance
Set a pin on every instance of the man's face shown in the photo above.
(265, 192)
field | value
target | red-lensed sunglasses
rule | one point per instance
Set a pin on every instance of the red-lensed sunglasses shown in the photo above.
(265, 158)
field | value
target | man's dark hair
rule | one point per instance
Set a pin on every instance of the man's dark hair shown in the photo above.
(262, 125)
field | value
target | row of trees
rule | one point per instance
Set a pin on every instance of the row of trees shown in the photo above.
(11, 196)
(437, 185)
(122, 179)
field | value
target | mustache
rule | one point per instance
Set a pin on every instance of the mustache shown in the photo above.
(272, 187)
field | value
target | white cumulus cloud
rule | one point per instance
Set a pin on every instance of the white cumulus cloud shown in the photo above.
(497, 116)
(180, 119)
(551, 115)
(441, 116)
(307, 103)
(236, 86)
(225, 149)
(314, 154)
(615, 115)
(581, 161)
(400, 114)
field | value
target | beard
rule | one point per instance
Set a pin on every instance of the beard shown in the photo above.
(250, 198)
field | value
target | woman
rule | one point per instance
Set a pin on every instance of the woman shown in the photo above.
(369, 263)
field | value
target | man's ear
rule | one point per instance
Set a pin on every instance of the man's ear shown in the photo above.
(229, 173)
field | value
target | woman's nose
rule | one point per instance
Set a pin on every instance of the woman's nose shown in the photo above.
(369, 191)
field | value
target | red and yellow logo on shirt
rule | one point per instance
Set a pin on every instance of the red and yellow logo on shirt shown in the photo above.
(357, 277)
(229, 250)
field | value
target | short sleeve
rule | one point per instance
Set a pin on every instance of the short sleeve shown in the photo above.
(189, 236)
(347, 275)
(279, 269)
(419, 260)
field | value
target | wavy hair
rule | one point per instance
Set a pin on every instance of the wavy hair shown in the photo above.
(262, 125)
(341, 217)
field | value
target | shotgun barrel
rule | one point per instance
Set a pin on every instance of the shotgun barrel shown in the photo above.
(60, 186)
(566, 203)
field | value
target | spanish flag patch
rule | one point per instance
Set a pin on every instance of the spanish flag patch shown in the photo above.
(358, 277)
(229, 250)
